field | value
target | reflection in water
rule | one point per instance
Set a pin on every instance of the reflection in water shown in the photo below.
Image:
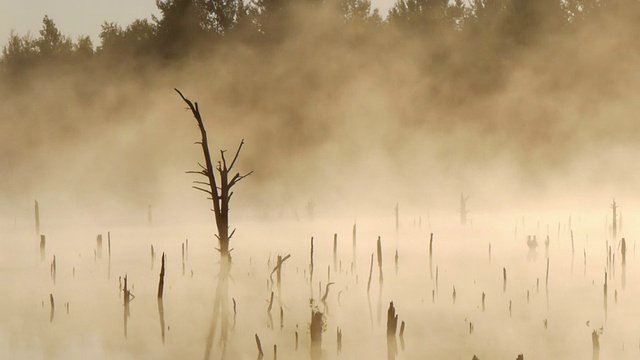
(220, 309)
(316, 328)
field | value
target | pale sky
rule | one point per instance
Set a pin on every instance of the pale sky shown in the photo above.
(83, 17)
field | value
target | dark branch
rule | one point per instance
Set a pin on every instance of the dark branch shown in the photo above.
(201, 189)
(237, 153)
(237, 177)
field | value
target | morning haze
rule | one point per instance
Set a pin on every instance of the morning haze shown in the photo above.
(468, 167)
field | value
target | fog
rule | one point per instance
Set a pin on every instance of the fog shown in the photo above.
(540, 137)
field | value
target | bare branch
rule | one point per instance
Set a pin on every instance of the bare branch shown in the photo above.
(203, 190)
(224, 161)
(279, 265)
(193, 109)
(208, 169)
(237, 177)
(326, 292)
(237, 153)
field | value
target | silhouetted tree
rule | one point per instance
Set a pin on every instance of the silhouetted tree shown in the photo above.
(360, 12)
(182, 24)
(526, 21)
(138, 38)
(84, 46)
(18, 54)
(219, 191)
(52, 43)
(420, 15)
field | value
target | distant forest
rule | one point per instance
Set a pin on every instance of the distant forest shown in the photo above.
(532, 89)
(484, 29)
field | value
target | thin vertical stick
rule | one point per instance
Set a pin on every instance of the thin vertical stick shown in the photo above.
(52, 308)
(431, 256)
(161, 282)
(109, 250)
(370, 273)
(504, 280)
(335, 252)
(259, 345)
(354, 245)
(37, 215)
(546, 284)
(42, 247)
(379, 248)
(311, 267)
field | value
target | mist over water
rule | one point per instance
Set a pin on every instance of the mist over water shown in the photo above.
(341, 123)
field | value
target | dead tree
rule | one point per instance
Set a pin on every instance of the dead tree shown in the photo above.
(219, 191)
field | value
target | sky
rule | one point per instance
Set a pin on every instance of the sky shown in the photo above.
(82, 17)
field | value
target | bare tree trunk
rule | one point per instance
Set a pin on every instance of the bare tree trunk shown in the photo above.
(219, 192)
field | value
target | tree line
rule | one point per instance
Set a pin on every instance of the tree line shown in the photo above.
(185, 26)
